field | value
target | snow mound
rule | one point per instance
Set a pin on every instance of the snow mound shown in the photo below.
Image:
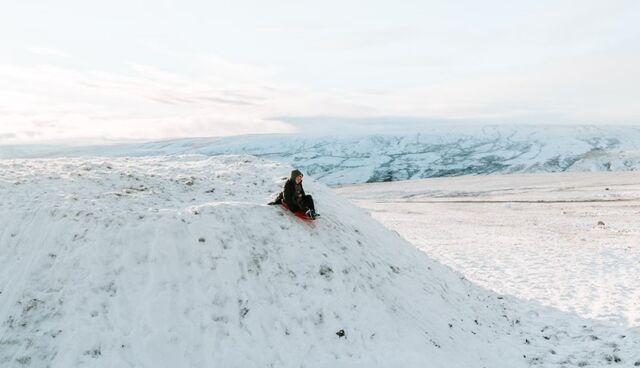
(177, 262)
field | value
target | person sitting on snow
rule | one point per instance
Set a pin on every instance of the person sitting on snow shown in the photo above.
(294, 197)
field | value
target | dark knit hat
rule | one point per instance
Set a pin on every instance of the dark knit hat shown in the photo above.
(295, 174)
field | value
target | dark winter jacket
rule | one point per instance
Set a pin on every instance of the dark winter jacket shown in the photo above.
(293, 194)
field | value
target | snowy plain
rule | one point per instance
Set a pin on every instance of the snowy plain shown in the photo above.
(177, 261)
(567, 240)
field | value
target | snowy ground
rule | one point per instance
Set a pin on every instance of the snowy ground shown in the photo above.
(566, 240)
(178, 262)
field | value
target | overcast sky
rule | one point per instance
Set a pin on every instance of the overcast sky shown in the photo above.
(85, 72)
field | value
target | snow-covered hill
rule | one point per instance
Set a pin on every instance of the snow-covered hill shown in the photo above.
(177, 262)
(434, 152)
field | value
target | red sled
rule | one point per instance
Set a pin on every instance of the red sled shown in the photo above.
(298, 214)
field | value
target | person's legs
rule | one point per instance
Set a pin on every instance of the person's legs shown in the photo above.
(308, 202)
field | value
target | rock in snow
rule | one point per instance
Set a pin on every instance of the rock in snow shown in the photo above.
(104, 263)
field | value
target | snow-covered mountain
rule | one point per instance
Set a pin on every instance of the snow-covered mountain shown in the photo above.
(177, 262)
(439, 151)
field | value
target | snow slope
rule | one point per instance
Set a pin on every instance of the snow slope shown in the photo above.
(436, 151)
(177, 262)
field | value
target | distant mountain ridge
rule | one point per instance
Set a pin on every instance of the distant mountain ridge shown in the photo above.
(434, 152)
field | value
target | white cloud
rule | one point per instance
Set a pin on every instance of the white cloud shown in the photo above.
(47, 102)
(214, 69)
(49, 51)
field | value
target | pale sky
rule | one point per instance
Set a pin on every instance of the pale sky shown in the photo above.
(86, 72)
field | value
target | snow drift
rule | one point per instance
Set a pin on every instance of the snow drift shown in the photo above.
(177, 262)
